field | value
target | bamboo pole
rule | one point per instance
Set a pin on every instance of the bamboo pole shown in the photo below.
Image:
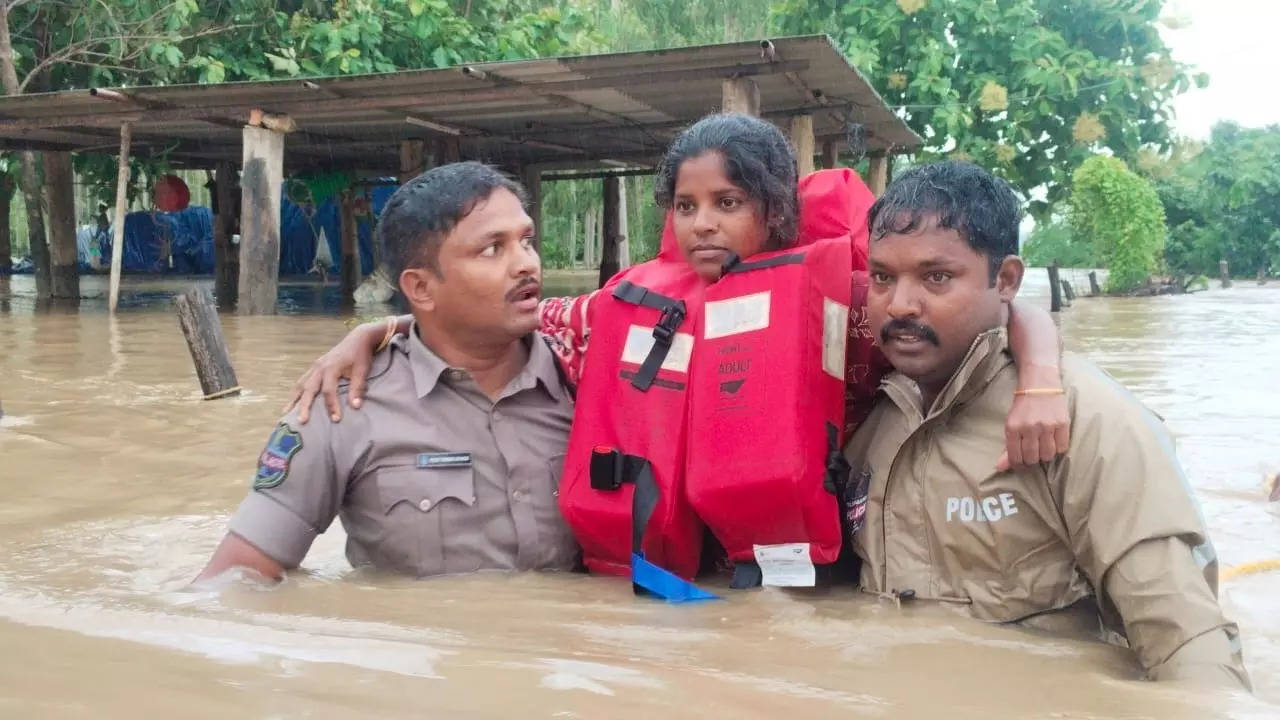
(117, 235)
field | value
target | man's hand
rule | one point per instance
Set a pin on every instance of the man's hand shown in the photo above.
(1038, 427)
(350, 358)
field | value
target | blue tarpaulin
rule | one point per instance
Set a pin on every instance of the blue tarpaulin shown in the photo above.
(299, 228)
(188, 233)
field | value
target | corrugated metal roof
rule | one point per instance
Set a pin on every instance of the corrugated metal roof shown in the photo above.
(622, 106)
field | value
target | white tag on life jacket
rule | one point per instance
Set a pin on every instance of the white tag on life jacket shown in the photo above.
(745, 313)
(835, 333)
(640, 342)
(786, 565)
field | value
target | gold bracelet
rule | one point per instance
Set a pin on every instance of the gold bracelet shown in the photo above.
(1040, 391)
(391, 332)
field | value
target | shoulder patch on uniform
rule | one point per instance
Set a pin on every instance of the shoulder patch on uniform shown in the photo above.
(273, 464)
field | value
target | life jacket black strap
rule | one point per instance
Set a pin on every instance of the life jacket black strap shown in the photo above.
(735, 265)
(673, 314)
(837, 467)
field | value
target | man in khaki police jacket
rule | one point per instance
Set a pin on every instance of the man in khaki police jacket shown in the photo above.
(1112, 522)
(454, 464)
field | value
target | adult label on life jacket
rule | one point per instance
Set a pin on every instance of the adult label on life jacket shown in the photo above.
(835, 330)
(786, 565)
(640, 342)
(735, 315)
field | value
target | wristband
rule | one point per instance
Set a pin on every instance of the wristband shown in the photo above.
(1039, 391)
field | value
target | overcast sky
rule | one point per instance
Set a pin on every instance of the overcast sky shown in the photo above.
(1238, 43)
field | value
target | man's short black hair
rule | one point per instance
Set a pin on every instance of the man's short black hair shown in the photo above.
(958, 196)
(757, 158)
(424, 210)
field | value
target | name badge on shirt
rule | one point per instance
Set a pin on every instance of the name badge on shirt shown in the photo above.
(444, 460)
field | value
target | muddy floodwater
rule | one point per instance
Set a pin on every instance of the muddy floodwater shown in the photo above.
(116, 481)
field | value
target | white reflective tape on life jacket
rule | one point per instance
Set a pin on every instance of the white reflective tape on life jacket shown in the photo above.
(835, 331)
(640, 342)
(721, 318)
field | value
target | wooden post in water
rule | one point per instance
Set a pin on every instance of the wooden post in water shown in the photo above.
(199, 320)
(531, 178)
(802, 139)
(260, 182)
(1093, 283)
(350, 245)
(59, 182)
(1055, 289)
(830, 154)
(1262, 276)
(879, 169)
(609, 259)
(1068, 291)
(740, 95)
(226, 254)
(117, 234)
(412, 163)
(1224, 273)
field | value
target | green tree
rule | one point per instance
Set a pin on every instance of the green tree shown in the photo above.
(1119, 212)
(1054, 242)
(1029, 88)
(1224, 203)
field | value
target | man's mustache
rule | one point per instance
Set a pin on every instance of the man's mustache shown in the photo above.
(907, 327)
(521, 287)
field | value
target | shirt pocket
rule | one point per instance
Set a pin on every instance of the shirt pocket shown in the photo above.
(415, 502)
(559, 549)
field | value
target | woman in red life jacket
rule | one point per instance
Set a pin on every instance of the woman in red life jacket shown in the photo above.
(729, 183)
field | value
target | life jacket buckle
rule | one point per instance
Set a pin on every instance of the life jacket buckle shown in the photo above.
(606, 468)
(672, 316)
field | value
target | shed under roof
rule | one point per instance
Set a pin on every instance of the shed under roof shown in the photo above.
(594, 110)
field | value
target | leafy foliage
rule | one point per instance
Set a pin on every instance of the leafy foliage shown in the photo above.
(1224, 203)
(1119, 212)
(1054, 242)
(1029, 88)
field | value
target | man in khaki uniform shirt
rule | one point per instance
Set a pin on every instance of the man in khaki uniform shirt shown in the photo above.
(1111, 524)
(453, 464)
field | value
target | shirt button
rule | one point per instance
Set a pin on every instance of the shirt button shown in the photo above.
(425, 505)
(497, 416)
(516, 494)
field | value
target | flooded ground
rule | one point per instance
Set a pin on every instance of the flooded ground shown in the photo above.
(117, 480)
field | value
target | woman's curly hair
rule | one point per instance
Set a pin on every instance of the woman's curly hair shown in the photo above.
(757, 158)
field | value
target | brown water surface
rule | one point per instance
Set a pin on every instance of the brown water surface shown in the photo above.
(117, 480)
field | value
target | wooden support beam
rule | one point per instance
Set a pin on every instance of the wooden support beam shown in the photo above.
(412, 162)
(802, 140)
(117, 240)
(878, 173)
(260, 181)
(610, 262)
(740, 95)
(226, 254)
(7, 186)
(830, 154)
(1224, 273)
(199, 320)
(1093, 283)
(1068, 291)
(59, 183)
(624, 237)
(350, 262)
(531, 178)
(447, 150)
(1055, 289)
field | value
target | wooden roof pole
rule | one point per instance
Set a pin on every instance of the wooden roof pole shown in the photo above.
(117, 235)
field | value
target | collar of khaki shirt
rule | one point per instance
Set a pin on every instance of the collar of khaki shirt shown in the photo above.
(428, 367)
(987, 356)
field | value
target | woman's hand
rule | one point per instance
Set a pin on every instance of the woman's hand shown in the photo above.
(350, 358)
(1038, 427)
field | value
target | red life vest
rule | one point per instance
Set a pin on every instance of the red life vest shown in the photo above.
(731, 421)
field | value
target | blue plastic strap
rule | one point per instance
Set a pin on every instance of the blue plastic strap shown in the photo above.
(666, 585)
